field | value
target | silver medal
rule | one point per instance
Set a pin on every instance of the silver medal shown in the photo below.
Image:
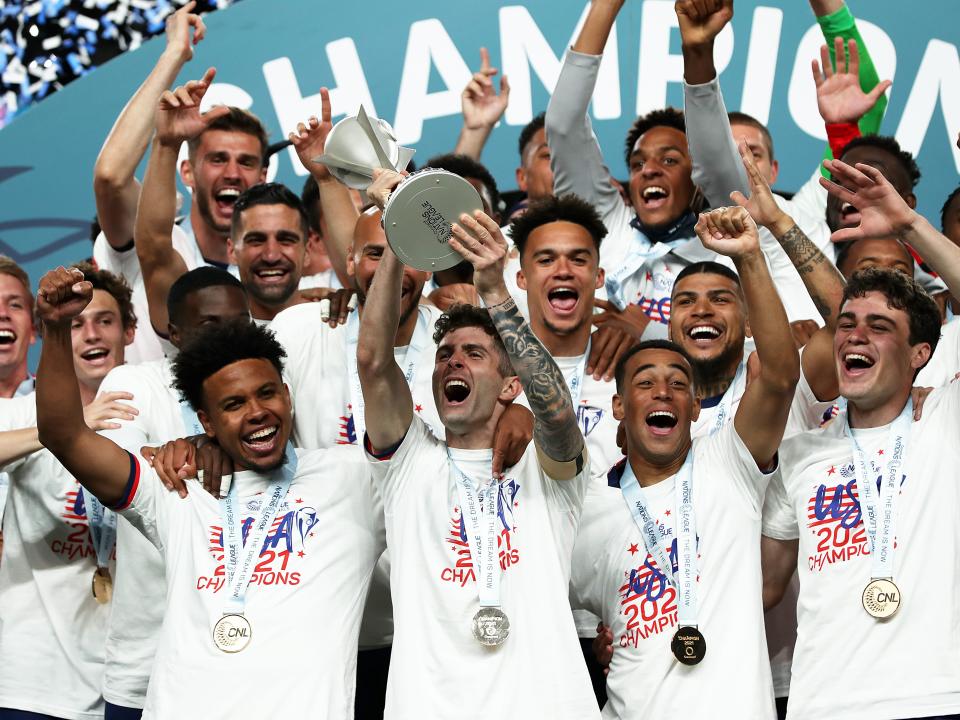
(232, 633)
(491, 626)
(881, 598)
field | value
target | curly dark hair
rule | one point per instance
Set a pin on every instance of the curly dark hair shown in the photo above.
(529, 130)
(658, 344)
(214, 347)
(116, 286)
(236, 120)
(466, 167)
(946, 206)
(890, 145)
(667, 117)
(567, 208)
(902, 293)
(461, 315)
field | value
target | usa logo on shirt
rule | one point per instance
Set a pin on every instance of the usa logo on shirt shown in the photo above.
(77, 545)
(461, 572)
(348, 430)
(835, 517)
(287, 543)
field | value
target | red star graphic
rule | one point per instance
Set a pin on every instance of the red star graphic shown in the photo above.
(832, 470)
(880, 451)
(516, 504)
(300, 553)
(456, 509)
(667, 513)
(311, 535)
(633, 549)
(299, 500)
(418, 408)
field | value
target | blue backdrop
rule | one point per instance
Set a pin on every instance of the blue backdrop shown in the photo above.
(409, 61)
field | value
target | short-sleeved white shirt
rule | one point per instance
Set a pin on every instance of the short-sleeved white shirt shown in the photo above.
(945, 362)
(139, 589)
(304, 599)
(908, 666)
(615, 576)
(51, 627)
(438, 669)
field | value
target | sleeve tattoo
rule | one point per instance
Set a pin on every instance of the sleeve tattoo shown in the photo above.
(555, 429)
(807, 258)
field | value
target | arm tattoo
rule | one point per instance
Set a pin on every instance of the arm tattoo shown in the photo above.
(555, 429)
(807, 258)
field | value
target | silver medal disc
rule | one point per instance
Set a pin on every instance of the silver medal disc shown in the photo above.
(419, 213)
(232, 633)
(491, 627)
(881, 598)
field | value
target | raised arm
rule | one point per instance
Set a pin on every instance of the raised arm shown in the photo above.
(575, 155)
(481, 107)
(388, 405)
(716, 166)
(114, 186)
(820, 277)
(178, 119)
(778, 560)
(555, 429)
(762, 414)
(339, 212)
(98, 464)
(884, 213)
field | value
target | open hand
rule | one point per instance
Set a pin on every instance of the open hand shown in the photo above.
(631, 321)
(482, 107)
(839, 95)
(479, 240)
(62, 295)
(178, 114)
(883, 211)
(311, 137)
(106, 408)
(608, 343)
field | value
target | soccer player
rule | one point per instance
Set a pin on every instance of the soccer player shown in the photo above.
(858, 509)
(458, 532)
(297, 531)
(668, 556)
(58, 560)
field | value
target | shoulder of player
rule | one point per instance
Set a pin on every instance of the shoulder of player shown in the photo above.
(18, 412)
(804, 450)
(127, 377)
(300, 328)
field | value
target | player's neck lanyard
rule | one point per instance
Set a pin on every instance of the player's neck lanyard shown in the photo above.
(685, 580)
(578, 377)
(481, 528)
(421, 336)
(102, 523)
(726, 402)
(240, 557)
(880, 516)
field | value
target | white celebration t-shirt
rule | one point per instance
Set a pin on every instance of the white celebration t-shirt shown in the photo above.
(139, 590)
(615, 576)
(51, 627)
(303, 602)
(438, 669)
(908, 666)
(945, 362)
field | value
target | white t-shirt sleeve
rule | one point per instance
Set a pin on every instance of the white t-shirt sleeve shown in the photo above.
(132, 434)
(806, 411)
(145, 501)
(727, 450)
(587, 576)
(565, 495)
(392, 466)
(779, 517)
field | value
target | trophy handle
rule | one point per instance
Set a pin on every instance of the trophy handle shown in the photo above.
(374, 138)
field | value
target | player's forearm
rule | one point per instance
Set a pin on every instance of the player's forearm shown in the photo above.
(778, 560)
(157, 209)
(779, 361)
(936, 249)
(698, 67)
(820, 277)
(15, 444)
(596, 28)
(97, 463)
(340, 215)
(472, 141)
(821, 8)
(555, 428)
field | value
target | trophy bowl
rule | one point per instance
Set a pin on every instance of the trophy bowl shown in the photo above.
(419, 213)
(349, 143)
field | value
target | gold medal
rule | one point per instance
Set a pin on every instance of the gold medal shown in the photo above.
(232, 633)
(881, 598)
(102, 585)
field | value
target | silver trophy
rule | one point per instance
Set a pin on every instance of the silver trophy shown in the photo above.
(356, 146)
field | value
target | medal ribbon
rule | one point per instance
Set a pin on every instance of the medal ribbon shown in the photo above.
(685, 581)
(481, 528)
(102, 524)
(421, 335)
(239, 557)
(880, 521)
(635, 260)
(726, 402)
(191, 423)
(576, 380)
